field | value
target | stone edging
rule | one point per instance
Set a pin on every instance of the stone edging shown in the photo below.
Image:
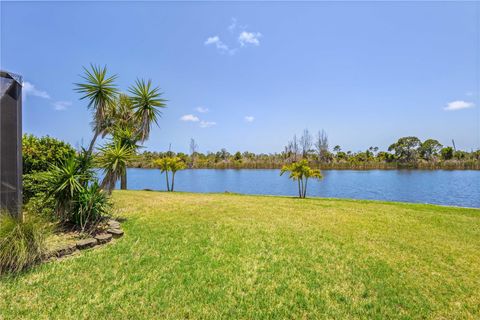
(113, 231)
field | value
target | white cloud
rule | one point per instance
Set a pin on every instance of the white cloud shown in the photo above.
(61, 105)
(249, 118)
(202, 109)
(30, 90)
(222, 47)
(207, 124)
(249, 38)
(189, 117)
(458, 105)
(212, 40)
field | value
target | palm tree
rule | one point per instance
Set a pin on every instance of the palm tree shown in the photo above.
(176, 164)
(164, 165)
(100, 90)
(301, 172)
(146, 103)
(113, 159)
(123, 115)
(127, 137)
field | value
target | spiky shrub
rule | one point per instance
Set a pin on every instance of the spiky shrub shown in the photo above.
(75, 191)
(22, 243)
(90, 207)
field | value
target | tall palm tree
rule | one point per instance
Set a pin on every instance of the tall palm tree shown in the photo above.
(123, 127)
(123, 113)
(146, 103)
(113, 160)
(100, 90)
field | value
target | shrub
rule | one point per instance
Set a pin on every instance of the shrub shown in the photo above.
(77, 197)
(34, 185)
(66, 180)
(22, 243)
(41, 153)
(90, 207)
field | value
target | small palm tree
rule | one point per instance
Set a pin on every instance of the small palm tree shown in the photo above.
(176, 164)
(127, 137)
(101, 91)
(113, 159)
(301, 172)
(146, 103)
(164, 165)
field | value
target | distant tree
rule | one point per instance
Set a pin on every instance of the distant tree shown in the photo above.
(446, 153)
(164, 165)
(295, 147)
(193, 151)
(341, 155)
(176, 164)
(223, 154)
(170, 164)
(429, 149)
(372, 151)
(305, 143)
(406, 149)
(237, 156)
(321, 146)
(301, 172)
(460, 155)
(337, 149)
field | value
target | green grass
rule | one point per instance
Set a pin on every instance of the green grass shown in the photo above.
(233, 256)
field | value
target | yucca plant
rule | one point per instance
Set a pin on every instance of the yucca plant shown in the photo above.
(66, 180)
(146, 102)
(128, 137)
(100, 90)
(113, 160)
(90, 206)
(22, 243)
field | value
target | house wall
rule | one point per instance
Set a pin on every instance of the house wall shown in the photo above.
(11, 149)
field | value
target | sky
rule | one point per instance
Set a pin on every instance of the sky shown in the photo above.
(250, 75)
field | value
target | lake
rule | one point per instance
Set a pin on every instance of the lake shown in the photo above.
(453, 188)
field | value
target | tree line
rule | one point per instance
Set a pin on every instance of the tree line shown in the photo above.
(406, 152)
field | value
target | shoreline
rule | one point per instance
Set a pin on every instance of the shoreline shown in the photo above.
(308, 198)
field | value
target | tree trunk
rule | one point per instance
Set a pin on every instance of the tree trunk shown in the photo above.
(168, 184)
(92, 143)
(173, 180)
(123, 181)
(299, 189)
(305, 188)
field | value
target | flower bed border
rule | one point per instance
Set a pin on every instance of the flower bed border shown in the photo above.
(113, 231)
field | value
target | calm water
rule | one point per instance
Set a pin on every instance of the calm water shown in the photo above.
(456, 188)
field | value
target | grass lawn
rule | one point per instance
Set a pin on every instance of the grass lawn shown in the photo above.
(233, 256)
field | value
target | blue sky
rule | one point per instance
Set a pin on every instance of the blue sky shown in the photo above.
(247, 76)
